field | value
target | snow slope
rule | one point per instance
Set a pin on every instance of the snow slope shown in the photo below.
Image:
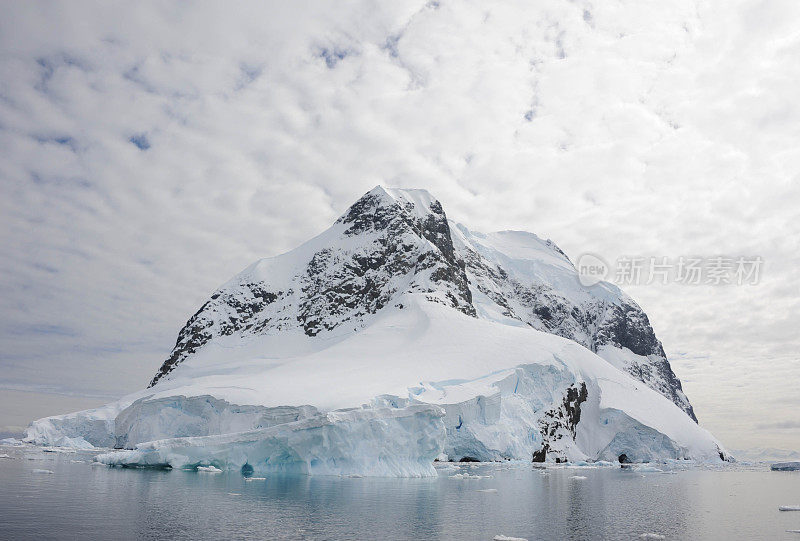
(517, 278)
(376, 347)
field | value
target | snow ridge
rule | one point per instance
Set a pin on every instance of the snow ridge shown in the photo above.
(517, 278)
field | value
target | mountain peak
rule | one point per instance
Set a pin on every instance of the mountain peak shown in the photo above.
(416, 196)
(390, 243)
(397, 243)
(379, 204)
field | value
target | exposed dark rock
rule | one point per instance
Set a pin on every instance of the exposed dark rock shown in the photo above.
(629, 327)
(224, 314)
(561, 422)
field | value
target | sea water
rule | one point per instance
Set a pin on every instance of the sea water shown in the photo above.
(62, 495)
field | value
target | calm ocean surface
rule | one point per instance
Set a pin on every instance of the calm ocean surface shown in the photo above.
(79, 500)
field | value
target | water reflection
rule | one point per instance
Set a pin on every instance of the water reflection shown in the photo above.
(80, 500)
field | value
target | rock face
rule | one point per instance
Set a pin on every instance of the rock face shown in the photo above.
(560, 422)
(386, 244)
(392, 242)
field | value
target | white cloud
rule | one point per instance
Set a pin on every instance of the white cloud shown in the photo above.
(648, 128)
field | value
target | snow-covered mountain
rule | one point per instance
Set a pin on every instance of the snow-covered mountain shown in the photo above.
(394, 337)
(768, 454)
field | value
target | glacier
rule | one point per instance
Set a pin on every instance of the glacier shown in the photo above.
(376, 348)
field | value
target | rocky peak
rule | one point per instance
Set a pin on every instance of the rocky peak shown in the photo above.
(395, 210)
(390, 242)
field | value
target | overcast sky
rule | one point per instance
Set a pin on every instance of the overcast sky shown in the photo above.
(149, 151)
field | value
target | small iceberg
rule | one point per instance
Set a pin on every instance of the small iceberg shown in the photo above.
(13, 442)
(789, 508)
(208, 469)
(37, 470)
(785, 466)
(506, 538)
(579, 477)
(645, 468)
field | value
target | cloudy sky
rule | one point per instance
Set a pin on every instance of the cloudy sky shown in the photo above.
(149, 151)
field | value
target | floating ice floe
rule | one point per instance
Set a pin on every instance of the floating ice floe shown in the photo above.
(37, 470)
(579, 477)
(255, 478)
(469, 476)
(60, 449)
(652, 536)
(487, 490)
(582, 464)
(506, 538)
(14, 442)
(645, 468)
(789, 508)
(5, 455)
(208, 469)
(785, 466)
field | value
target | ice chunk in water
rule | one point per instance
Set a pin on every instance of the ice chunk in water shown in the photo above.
(647, 469)
(789, 508)
(469, 476)
(785, 466)
(14, 442)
